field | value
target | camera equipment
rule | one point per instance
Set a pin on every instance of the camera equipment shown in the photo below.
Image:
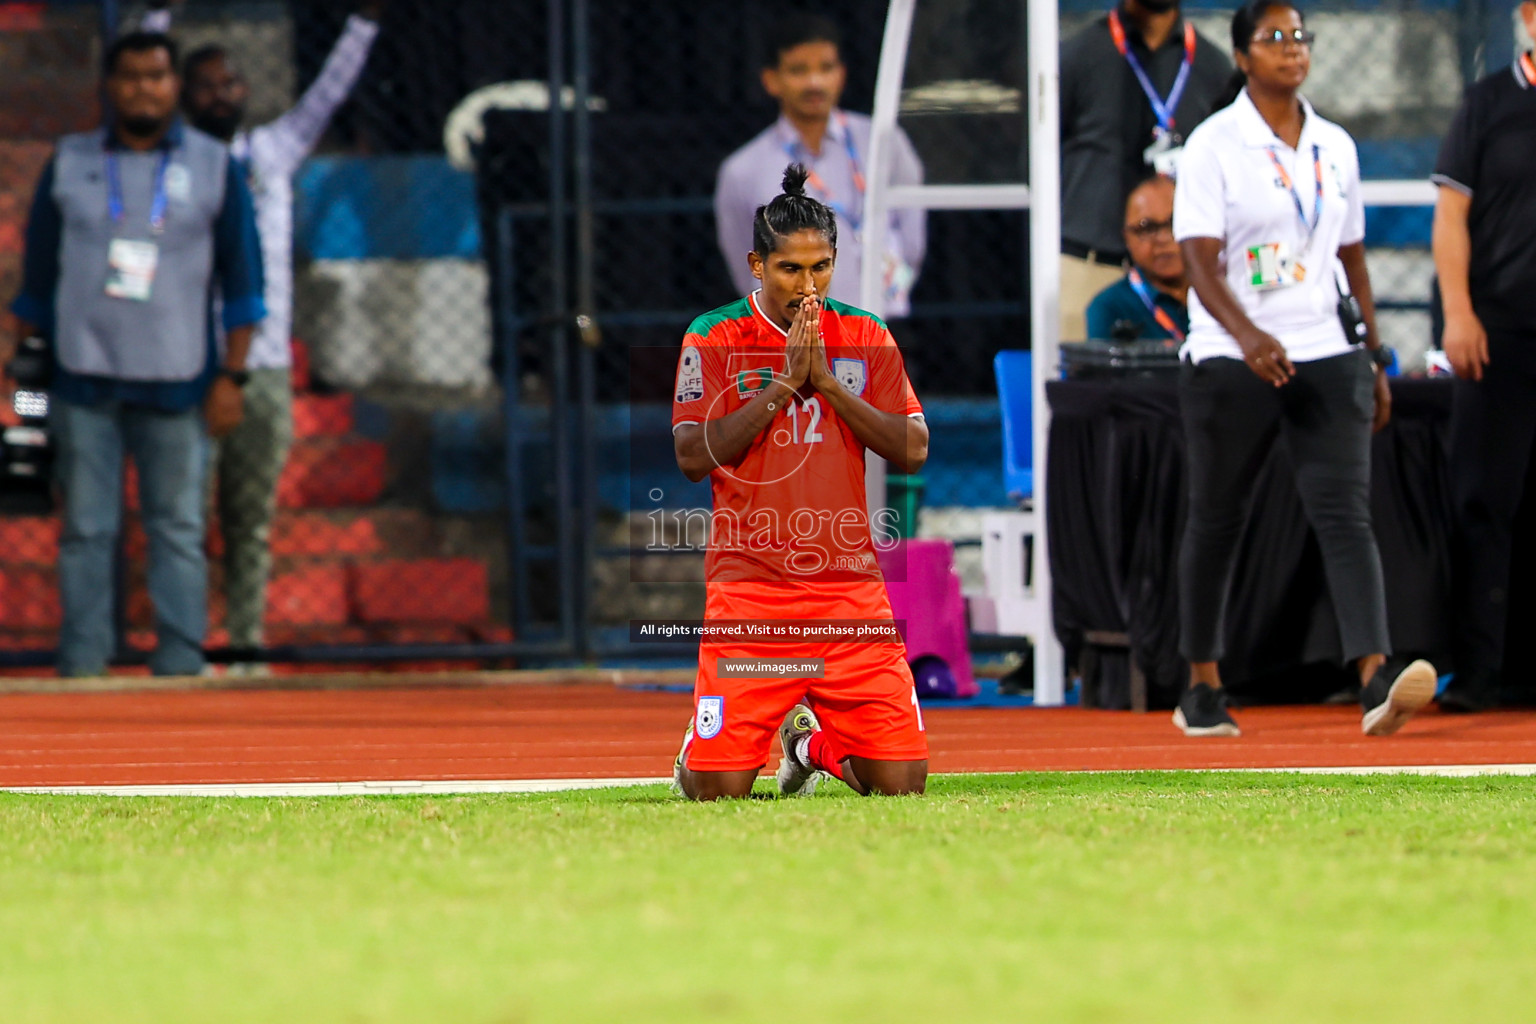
(1088, 360)
(26, 447)
(1125, 331)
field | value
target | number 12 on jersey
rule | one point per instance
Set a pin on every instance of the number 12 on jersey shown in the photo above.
(812, 407)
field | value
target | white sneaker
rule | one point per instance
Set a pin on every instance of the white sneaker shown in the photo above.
(1387, 707)
(796, 778)
(677, 765)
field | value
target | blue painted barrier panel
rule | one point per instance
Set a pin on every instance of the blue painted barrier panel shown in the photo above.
(385, 207)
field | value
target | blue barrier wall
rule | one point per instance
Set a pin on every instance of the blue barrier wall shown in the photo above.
(385, 207)
(635, 458)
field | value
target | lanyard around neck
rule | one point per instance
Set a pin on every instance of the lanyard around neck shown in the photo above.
(157, 205)
(1317, 198)
(1162, 109)
(799, 154)
(1161, 315)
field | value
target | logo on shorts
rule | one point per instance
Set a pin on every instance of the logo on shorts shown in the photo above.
(709, 717)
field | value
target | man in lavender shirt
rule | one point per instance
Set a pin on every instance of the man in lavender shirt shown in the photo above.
(251, 459)
(804, 72)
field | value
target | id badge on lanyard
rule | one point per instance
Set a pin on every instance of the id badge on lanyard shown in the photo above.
(1273, 265)
(1167, 145)
(132, 263)
(853, 213)
(131, 269)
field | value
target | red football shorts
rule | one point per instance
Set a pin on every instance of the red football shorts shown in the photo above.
(866, 699)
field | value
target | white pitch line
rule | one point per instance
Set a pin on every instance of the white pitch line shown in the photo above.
(395, 787)
(1453, 771)
(452, 787)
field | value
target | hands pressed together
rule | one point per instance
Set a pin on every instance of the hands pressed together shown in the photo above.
(806, 356)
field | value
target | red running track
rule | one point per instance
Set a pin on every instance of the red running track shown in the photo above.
(546, 732)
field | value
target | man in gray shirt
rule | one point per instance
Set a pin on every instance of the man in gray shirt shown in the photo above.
(804, 72)
(132, 227)
(1134, 84)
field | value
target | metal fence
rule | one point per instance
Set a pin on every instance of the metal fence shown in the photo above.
(488, 288)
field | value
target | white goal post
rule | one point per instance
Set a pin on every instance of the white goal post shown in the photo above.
(1044, 237)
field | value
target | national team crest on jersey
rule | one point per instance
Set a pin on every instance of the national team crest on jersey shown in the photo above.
(750, 382)
(850, 374)
(709, 717)
(690, 376)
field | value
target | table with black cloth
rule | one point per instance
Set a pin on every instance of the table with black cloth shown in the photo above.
(1115, 516)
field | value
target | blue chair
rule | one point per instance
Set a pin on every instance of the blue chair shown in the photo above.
(1013, 603)
(1014, 370)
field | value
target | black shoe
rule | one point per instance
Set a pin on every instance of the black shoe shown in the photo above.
(1202, 711)
(1350, 694)
(1471, 691)
(1395, 694)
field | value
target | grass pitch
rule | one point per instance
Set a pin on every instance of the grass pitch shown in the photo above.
(1156, 897)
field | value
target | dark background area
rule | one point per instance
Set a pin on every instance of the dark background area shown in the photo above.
(682, 91)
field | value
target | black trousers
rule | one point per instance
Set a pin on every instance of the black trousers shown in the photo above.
(1493, 424)
(1231, 420)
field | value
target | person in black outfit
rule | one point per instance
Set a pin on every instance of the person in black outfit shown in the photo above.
(1485, 258)
(1115, 123)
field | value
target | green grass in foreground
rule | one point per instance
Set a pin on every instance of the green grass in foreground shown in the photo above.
(1167, 897)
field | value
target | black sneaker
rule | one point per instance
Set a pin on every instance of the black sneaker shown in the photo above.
(1395, 694)
(1202, 711)
(1471, 691)
(1345, 697)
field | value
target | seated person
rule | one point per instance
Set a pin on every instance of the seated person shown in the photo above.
(1149, 302)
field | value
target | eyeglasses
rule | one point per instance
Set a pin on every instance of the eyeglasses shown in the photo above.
(1150, 228)
(1279, 37)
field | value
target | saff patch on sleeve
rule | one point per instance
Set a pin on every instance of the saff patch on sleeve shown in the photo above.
(709, 717)
(750, 382)
(690, 376)
(851, 374)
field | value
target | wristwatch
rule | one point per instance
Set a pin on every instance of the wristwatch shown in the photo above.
(1382, 356)
(240, 377)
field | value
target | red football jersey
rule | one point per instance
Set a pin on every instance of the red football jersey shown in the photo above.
(790, 533)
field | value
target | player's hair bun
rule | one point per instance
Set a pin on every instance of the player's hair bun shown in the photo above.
(789, 212)
(794, 179)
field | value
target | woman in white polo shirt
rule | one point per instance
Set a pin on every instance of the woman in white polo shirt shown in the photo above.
(1269, 217)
